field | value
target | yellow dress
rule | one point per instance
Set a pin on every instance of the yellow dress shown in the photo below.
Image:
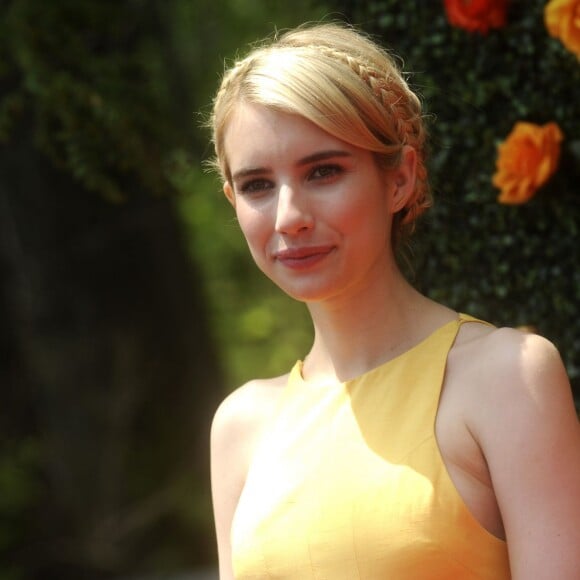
(349, 483)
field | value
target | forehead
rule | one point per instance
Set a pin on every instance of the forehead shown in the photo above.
(247, 117)
(256, 133)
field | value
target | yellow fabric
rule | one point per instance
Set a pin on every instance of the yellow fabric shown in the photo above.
(349, 483)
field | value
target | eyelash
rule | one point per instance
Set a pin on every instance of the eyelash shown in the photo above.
(325, 172)
(255, 185)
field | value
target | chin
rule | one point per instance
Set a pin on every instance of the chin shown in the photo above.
(307, 292)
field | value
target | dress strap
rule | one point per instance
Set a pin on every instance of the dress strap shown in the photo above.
(463, 318)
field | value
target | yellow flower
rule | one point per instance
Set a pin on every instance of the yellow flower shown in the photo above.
(526, 160)
(562, 18)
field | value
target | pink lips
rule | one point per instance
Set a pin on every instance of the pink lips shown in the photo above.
(303, 257)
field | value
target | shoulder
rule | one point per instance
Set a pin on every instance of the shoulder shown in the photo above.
(519, 409)
(505, 363)
(508, 374)
(522, 390)
(497, 353)
(249, 403)
(236, 428)
(243, 413)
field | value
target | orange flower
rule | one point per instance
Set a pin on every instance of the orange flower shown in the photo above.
(476, 15)
(526, 160)
(562, 18)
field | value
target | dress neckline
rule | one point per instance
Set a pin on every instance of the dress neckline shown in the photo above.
(297, 377)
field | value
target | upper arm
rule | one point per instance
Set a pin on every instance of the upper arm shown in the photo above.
(236, 428)
(227, 478)
(530, 435)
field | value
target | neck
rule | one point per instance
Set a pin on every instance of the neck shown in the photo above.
(357, 333)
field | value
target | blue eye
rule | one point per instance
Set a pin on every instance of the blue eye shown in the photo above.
(325, 171)
(256, 185)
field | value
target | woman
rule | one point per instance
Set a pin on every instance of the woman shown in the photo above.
(412, 442)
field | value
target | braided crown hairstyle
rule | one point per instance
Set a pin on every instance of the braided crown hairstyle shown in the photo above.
(340, 80)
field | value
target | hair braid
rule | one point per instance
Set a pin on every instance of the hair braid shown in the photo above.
(222, 103)
(342, 81)
(400, 104)
(403, 108)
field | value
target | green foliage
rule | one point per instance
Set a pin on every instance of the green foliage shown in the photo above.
(19, 490)
(94, 85)
(512, 265)
(99, 80)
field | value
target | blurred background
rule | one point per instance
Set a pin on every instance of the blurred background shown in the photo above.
(129, 306)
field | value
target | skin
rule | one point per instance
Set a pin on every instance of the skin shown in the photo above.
(316, 213)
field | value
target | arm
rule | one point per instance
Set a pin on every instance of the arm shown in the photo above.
(227, 478)
(237, 426)
(530, 434)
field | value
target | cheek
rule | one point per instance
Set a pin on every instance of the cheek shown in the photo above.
(254, 225)
(367, 212)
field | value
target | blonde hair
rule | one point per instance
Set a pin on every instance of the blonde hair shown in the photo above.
(343, 82)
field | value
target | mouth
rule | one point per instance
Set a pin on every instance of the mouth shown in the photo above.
(303, 257)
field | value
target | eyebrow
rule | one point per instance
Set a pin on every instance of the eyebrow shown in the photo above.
(319, 156)
(322, 155)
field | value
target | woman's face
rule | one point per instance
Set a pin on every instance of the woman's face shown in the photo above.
(316, 212)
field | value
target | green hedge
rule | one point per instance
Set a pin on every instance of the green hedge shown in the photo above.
(512, 265)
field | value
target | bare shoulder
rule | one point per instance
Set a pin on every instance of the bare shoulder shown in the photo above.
(247, 408)
(510, 375)
(520, 410)
(512, 363)
(236, 429)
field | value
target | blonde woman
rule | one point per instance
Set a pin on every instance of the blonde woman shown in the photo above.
(412, 442)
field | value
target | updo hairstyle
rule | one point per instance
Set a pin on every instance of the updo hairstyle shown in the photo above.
(343, 82)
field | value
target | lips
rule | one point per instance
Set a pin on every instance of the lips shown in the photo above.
(303, 257)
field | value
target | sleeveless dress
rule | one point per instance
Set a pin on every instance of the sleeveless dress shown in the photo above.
(349, 483)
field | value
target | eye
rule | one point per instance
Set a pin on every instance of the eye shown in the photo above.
(324, 172)
(255, 186)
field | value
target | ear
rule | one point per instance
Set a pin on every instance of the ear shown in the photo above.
(229, 193)
(403, 178)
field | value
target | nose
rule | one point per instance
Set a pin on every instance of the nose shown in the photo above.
(293, 213)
